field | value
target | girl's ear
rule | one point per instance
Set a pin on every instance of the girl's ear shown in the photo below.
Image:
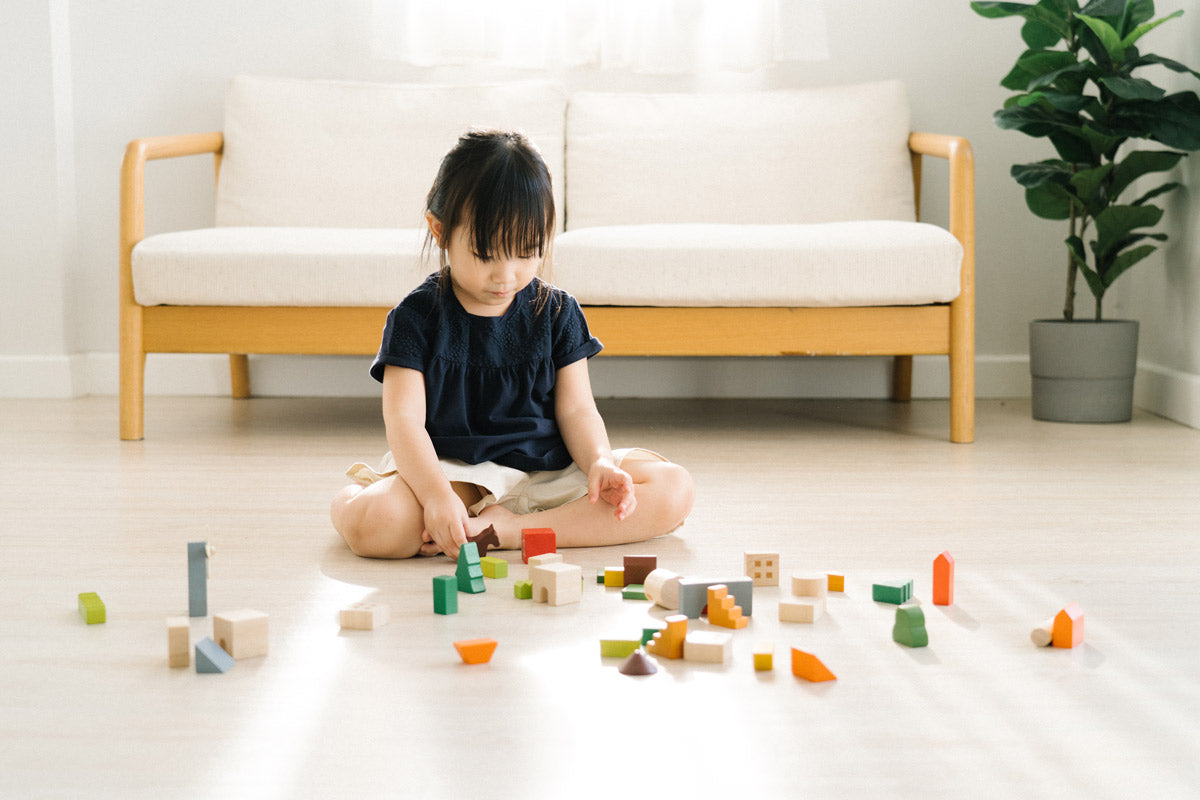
(435, 227)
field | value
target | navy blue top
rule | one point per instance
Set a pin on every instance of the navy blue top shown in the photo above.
(489, 381)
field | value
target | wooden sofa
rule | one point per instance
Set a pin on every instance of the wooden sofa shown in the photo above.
(937, 328)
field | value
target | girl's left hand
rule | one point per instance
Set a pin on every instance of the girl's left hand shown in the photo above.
(614, 485)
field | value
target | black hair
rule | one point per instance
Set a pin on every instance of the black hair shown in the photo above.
(497, 184)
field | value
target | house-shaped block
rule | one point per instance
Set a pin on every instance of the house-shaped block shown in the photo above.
(557, 584)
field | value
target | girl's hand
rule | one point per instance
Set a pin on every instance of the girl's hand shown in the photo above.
(445, 525)
(608, 482)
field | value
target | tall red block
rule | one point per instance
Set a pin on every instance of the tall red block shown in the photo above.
(943, 579)
(536, 542)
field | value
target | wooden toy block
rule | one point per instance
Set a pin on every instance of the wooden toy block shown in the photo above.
(475, 651)
(493, 567)
(764, 656)
(807, 666)
(634, 591)
(179, 642)
(943, 579)
(198, 555)
(445, 594)
(614, 577)
(210, 658)
(242, 634)
(600, 575)
(91, 608)
(801, 609)
(1043, 635)
(836, 583)
(469, 571)
(909, 629)
(896, 592)
(721, 608)
(557, 584)
(693, 594)
(545, 558)
(369, 616)
(638, 663)
(810, 585)
(708, 646)
(484, 539)
(535, 541)
(648, 634)
(1068, 627)
(638, 567)
(668, 642)
(662, 586)
(618, 648)
(762, 568)
(523, 590)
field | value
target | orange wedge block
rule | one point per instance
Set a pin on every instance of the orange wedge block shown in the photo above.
(809, 667)
(476, 651)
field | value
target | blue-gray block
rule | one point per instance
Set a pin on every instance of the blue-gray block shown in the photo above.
(197, 579)
(693, 594)
(211, 658)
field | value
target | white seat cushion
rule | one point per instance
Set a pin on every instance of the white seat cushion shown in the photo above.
(279, 267)
(830, 264)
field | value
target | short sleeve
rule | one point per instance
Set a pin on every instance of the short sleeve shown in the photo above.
(405, 341)
(572, 339)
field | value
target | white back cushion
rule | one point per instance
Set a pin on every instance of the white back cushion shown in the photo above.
(780, 157)
(361, 155)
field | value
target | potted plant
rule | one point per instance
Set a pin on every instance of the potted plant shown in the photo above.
(1080, 84)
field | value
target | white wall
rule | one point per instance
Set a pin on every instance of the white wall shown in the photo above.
(155, 68)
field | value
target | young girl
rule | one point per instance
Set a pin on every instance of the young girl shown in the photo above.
(486, 398)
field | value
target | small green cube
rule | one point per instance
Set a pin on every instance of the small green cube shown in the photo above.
(523, 590)
(91, 608)
(600, 576)
(494, 567)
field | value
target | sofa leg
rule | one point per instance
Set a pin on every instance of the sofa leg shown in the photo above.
(962, 400)
(132, 393)
(902, 367)
(239, 375)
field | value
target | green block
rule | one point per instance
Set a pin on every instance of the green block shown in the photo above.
(634, 591)
(648, 634)
(91, 608)
(445, 594)
(894, 592)
(494, 567)
(909, 629)
(470, 571)
(523, 590)
(618, 648)
(600, 576)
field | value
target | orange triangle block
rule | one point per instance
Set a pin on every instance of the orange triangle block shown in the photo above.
(809, 667)
(476, 651)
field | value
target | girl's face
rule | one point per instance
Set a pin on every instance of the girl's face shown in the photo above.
(485, 288)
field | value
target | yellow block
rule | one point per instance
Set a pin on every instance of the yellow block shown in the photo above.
(837, 583)
(615, 577)
(764, 656)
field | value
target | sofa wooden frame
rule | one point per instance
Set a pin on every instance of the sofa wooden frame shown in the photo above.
(899, 331)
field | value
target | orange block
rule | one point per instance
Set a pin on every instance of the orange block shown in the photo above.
(809, 667)
(476, 651)
(1068, 627)
(943, 580)
(536, 542)
(721, 608)
(668, 643)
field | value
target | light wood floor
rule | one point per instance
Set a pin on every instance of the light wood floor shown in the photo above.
(1035, 514)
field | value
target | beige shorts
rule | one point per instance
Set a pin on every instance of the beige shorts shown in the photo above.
(519, 492)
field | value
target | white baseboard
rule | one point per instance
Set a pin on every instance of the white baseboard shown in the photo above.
(346, 376)
(1168, 392)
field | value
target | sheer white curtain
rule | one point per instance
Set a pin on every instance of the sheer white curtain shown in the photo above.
(665, 37)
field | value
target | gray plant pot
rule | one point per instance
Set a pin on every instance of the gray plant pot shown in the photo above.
(1083, 371)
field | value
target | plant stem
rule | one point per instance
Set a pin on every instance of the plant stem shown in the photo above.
(1072, 271)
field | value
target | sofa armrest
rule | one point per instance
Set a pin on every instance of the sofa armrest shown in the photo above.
(957, 151)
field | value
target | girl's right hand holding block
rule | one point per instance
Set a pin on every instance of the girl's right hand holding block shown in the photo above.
(445, 524)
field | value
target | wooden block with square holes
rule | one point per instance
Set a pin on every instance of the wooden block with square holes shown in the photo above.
(762, 568)
(364, 616)
(242, 634)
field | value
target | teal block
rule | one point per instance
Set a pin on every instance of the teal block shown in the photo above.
(892, 592)
(91, 608)
(197, 579)
(445, 594)
(211, 658)
(470, 571)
